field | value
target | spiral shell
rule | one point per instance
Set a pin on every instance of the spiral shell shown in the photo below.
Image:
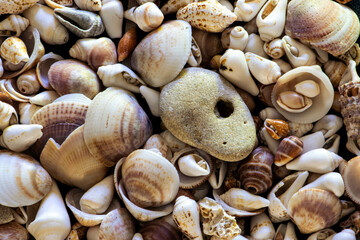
(13, 25)
(350, 173)
(28, 83)
(235, 38)
(289, 148)
(13, 50)
(8, 115)
(334, 70)
(147, 16)
(274, 48)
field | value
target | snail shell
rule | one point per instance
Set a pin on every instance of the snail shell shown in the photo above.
(147, 16)
(289, 148)
(13, 50)
(13, 25)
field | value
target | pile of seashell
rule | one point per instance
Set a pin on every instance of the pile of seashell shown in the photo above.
(185, 119)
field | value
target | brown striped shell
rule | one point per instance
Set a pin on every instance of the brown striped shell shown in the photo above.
(277, 128)
(256, 174)
(288, 149)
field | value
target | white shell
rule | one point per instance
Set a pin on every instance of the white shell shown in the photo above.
(322, 234)
(44, 98)
(346, 234)
(235, 38)
(298, 53)
(19, 137)
(318, 160)
(300, 129)
(227, 4)
(271, 113)
(255, 45)
(308, 88)
(26, 111)
(217, 179)
(13, 25)
(331, 182)
(247, 10)
(332, 144)
(274, 48)
(328, 125)
(264, 70)
(193, 165)
(284, 66)
(234, 68)
(312, 141)
(261, 227)
(52, 221)
(90, 5)
(152, 98)
(147, 16)
(8, 115)
(112, 14)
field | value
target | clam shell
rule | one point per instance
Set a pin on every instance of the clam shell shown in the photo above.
(23, 180)
(350, 173)
(112, 14)
(13, 50)
(115, 125)
(314, 209)
(117, 225)
(147, 16)
(15, 6)
(43, 66)
(13, 25)
(324, 24)
(82, 23)
(13, 230)
(156, 60)
(90, 5)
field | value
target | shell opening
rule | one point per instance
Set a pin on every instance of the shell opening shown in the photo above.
(223, 108)
(131, 80)
(293, 102)
(269, 8)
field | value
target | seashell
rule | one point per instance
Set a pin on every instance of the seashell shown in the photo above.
(271, 113)
(248, 99)
(72, 199)
(281, 193)
(309, 21)
(59, 3)
(112, 14)
(152, 98)
(299, 129)
(137, 236)
(82, 23)
(293, 102)
(77, 232)
(261, 227)
(13, 50)
(284, 66)
(247, 10)
(13, 230)
(96, 52)
(19, 137)
(285, 232)
(71, 76)
(277, 128)
(186, 215)
(234, 38)
(264, 70)
(216, 222)
(320, 104)
(160, 64)
(255, 45)
(174, 143)
(78, 167)
(27, 82)
(117, 225)
(251, 26)
(118, 75)
(308, 88)
(255, 174)
(6, 215)
(298, 53)
(209, 15)
(8, 115)
(164, 228)
(332, 144)
(98, 198)
(146, 16)
(29, 170)
(321, 234)
(16, 6)
(113, 137)
(195, 57)
(271, 19)
(328, 125)
(193, 165)
(8, 86)
(1, 68)
(343, 1)
(26, 110)
(217, 177)
(44, 98)
(312, 141)
(52, 220)
(321, 55)
(43, 67)
(352, 54)
(227, 4)
(349, 174)
(331, 182)
(127, 44)
(269, 141)
(318, 160)
(347, 208)
(51, 30)
(89, 5)
(93, 233)
(280, 172)
(289, 148)
(352, 222)
(234, 68)
(344, 234)
(172, 6)
(158, 142)
(301, 209)
(13, 25)
(334, 70)
(274, 48)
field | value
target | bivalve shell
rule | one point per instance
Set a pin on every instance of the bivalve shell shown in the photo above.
(117, 225)
(349, 174)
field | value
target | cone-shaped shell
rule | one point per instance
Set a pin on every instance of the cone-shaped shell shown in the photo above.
(8, 115)
(71, 162)
(13, 25)
(350, 173)
(52, 220)
(147, 16)
(314, 209)
(23, 181)
(156, 60)
(331, 182)
(325, 24)
(208, 15)
(264, 70)
(15, 6)
(117, 225)
(13, 50)
(115, 125)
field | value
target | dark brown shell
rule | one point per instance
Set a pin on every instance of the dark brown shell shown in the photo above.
(13, 231)
(277, 128)
(127, 44)
(256, 173)
(289, 148)
(160, 230)
(265, 94)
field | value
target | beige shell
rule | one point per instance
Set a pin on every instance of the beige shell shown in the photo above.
(112, 14)
(8, 115)
(208, 15)
(147, 16)
(90, 5)
(334, 70)
(23, 179)
(43, 66)
(300, 129)
(274, 48)
(6, 215)
(298, 54)
(301, 209)
(312, 141)
(13, 25)
(117, 225)
(235, 38)
(331, 182)
(158, 142)
(324, 24)
(247, 10)
(261, 227)
(156, 60)
(1, 68)
(15, 6)
(284, 66)
(255, 45)
(172, 6)
(217, 177)
(59, 3)
(78, 167)
(321, 234)
(109, 130)
(27, 82)
(26, 111)
(50, 29)
(44, 98)
(328, 125)
(263, 70)
(9, 87)
(96, 52)
(321, 104)
(350, 173)
(286, 232)
(13, 50)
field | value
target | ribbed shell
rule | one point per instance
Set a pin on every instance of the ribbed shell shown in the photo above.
(23, 181)
(256, 174)
(325, 24)
(115, 125)
(350, 176)
(13, 25)
(15, 6)
(288, 149)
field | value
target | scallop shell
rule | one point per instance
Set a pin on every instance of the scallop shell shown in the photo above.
(23, 180)
(209, 15)
(147, 16)
(246, 10)
(13, 25)
(115, 125)
(90, 5)
(112, 14)
(50, 29)
(15, 6)
(82, 23)
(314, 209)
(127, 44)
(117, 225)
(309, 21)
(13, 50)
(156, 60)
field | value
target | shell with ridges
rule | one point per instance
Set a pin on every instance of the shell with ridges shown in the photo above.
(13, 25)
(277, 128)
(299, 129)
(13, 50)
(158, 142)
(27, 82)
(334, 70)
(289, 148)
(274, 48)
(15, 6)
(264, 70)
(147, 16)
(117, 225)
(164, 228)
(112, 14)
(90, 5)
(247, 10)
(350, 173)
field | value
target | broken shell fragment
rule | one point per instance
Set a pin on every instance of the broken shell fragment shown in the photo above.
(147, 16)
(127, 44)
(350, 173)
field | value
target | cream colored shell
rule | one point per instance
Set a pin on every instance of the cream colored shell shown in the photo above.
(15, 6)
(13, 25)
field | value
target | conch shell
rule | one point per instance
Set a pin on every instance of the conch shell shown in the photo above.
(13, 25)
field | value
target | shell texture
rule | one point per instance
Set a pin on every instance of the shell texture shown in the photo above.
(247, 10)
(13, 50)
(27, 83)
(13, 230)
(172, 6)
(334, 70)
(289, 148)
(127, 44)
(15, 6)
(147, 16)
(90, 5)
(350, 173)
(117, 225)
(112, 14)
(13, 25)
(264, 70)
(8, 115)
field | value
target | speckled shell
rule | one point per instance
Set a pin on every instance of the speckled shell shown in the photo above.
(163, 53)
(13, 25)
(172, 6)
(209, 15)
(13, 50)
(15, 6)
(256, 174)
(323, 23)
